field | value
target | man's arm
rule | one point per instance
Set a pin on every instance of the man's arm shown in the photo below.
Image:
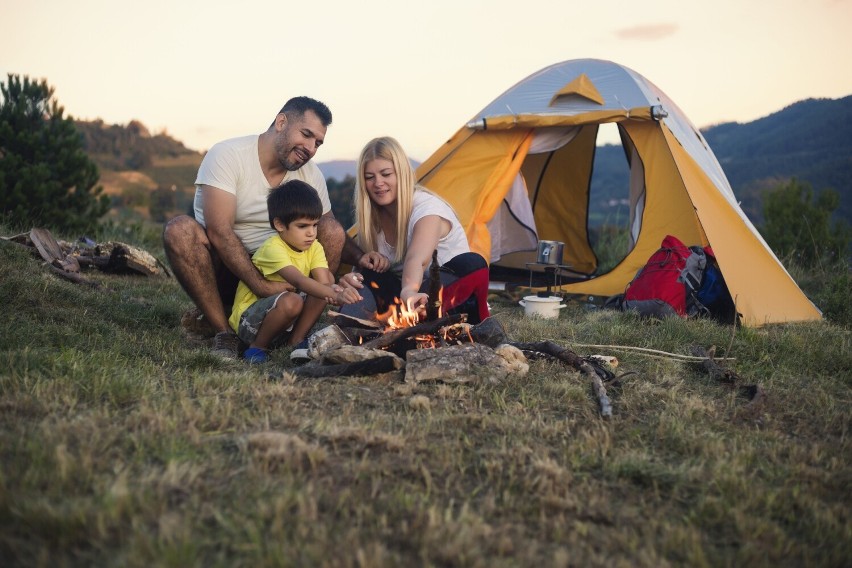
(220, 208)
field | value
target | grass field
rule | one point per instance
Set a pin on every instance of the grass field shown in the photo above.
(124, 443)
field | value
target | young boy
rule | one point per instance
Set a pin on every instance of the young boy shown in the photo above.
(293, 255)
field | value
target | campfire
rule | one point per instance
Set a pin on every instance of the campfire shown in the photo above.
(440, 348)
(398, 317)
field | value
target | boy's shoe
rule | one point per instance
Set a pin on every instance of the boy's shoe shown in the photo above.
(299, 355)
(226, 345)
(255, 355)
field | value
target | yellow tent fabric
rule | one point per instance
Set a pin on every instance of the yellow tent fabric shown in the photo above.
(581, 86)
(535, 134)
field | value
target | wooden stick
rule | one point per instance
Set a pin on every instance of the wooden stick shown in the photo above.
(644, 350)
(433, 305)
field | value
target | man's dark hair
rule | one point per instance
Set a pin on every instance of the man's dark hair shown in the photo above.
(293, 200)
(298, 106)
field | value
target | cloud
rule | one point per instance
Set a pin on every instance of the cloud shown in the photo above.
(647, 32)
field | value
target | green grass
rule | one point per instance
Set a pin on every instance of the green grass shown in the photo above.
(123, 443)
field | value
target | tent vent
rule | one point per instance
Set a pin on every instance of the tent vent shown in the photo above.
(658, 112)
(581, 86)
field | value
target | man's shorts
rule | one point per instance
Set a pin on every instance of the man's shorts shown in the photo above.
(254, 315)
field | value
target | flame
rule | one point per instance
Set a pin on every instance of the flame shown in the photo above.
(398, 316)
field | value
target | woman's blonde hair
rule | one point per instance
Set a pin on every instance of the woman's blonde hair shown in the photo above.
(366, 215)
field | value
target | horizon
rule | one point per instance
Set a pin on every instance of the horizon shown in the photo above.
(732, 62)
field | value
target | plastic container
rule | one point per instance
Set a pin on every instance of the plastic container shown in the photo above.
(546, 308)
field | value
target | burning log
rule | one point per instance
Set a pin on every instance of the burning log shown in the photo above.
(433, 306)
(389, 338)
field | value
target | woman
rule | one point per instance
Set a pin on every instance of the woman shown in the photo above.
(405, 223)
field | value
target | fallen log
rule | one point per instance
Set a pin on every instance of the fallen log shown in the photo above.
(594, 371)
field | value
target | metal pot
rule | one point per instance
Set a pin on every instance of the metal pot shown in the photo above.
(549, 252)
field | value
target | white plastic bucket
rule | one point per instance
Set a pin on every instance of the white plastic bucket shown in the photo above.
(544, 307)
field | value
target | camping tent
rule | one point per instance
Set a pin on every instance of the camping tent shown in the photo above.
(520, 171)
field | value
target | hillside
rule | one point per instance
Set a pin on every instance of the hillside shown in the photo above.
(145, 175)
(810, 140)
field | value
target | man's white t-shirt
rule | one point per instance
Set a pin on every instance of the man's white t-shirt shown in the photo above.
(234, 166)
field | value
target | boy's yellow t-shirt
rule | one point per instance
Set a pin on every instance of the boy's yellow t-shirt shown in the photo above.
(273, 255)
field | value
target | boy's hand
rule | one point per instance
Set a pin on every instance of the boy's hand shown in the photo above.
(347, 296)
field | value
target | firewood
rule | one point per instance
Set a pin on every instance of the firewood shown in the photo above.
(389, 338)
(347, 321)
(75, 278)
(127, 258)
(46, 245)
(433, 306)
(360, 368)
(471, 363)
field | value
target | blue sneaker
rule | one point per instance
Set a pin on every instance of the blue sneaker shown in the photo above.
(256, 355)
(299, 355)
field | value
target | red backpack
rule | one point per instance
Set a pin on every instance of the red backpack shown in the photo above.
(668, 282)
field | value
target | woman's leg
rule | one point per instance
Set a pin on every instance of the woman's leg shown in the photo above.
(465, 281)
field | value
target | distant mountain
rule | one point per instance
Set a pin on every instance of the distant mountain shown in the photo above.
(339, 169)
(810, 140)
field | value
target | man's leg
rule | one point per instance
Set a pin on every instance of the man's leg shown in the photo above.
(191, 257)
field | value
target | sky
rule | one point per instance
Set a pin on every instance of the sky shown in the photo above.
(207, 70)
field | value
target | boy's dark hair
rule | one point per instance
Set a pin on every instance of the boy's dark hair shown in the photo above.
(298, 106)
(293, 200)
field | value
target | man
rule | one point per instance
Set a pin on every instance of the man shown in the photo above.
(211, 253)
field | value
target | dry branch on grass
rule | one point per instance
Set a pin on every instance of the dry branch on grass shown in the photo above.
(588, 367)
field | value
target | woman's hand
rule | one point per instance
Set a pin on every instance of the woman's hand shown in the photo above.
(414, 301)
(374, 261)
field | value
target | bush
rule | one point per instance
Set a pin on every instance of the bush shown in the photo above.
(798, 227)
(46, 178)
